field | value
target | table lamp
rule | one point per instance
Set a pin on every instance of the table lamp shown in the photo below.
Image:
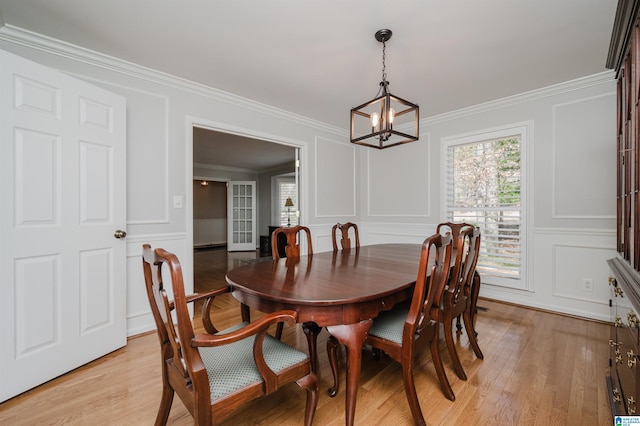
(288, 204)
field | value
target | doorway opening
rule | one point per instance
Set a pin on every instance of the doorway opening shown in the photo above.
(209, 213)
(220, 156)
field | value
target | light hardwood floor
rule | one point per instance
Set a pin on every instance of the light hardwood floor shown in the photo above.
(539, 369)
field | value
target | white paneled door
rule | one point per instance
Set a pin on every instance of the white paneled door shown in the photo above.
(241, 216)
(63, 189)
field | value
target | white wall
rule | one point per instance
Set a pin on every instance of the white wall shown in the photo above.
(209, 232)
(393, 194)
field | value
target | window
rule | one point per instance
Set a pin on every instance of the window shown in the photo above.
(287, 188)
(485, 186)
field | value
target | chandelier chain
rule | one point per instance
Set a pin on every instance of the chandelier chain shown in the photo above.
(384, 57)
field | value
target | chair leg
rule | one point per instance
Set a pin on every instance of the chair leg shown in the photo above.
(332, 352)
(475, 291)
(458, 324)
(437, 363)
(310, 383)
(311, 330)
(165, 405)
(412, 397)
(202, 413)
(245, 313)
(279, 329)
(376, 353)
(451, 347)
(468, 325)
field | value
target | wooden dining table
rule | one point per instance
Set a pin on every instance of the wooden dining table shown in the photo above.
(342, 291)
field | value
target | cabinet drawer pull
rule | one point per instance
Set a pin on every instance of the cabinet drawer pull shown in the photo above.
(618, 321)
(616, 395)
(631, 404)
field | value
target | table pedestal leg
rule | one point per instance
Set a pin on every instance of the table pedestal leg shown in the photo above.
(352, 336)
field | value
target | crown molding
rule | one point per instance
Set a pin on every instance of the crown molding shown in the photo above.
(32, 40)
(556, 89)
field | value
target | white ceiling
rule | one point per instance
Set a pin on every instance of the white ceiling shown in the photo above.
(319, 58)
(239, 152)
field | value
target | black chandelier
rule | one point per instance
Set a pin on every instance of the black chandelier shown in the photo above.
(387, 120)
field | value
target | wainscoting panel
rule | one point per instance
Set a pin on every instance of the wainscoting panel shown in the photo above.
(584, 179)
(335, 192)
(578, 272)
(381, 233)
(561, 261)
(390, 193)
(139, 318)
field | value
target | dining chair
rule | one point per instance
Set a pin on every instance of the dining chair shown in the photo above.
(474, 290)
(292, 251)
(457, 296)
(292, 247)
(404, 330)
(214, 372)
(341, 230)
(345, 241)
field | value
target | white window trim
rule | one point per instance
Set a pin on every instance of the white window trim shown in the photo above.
(525, 131)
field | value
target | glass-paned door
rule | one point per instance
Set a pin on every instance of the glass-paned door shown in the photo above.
(241, 216)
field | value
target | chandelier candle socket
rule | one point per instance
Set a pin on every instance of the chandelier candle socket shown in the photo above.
(387, 120)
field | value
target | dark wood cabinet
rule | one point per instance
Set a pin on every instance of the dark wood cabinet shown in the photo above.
(623, 381)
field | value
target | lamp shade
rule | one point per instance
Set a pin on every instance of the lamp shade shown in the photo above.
(289, 202)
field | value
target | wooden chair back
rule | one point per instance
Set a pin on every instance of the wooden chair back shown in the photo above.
(345, 241)
(188, 358)
(460, 295)
(292, 249)
(429, 288)
(468, 270)
(466, 241)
